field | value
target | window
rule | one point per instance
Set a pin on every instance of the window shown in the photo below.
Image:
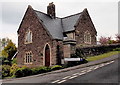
(28, 58)
(71, 35)
(87, 37)
(28, 37)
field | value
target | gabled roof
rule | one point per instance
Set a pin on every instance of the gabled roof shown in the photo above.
(52, 25)
(57, 26)
(69, 22)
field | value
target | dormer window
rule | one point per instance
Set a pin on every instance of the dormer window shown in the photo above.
(87, 37)
(28, 37)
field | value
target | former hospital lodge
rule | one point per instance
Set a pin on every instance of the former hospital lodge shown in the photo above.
(45, 40)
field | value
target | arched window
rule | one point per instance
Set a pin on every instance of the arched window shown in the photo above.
(87, 37)
(28, 37)
(28, 58)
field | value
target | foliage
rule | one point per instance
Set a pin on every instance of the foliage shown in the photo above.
(56, 67)
(5, 61)
(116, 49)
(9, 50)
(13, 69)
(78, 54)
(105, 40)
(23, 71)
(118, 38)
(14, 61)
(5, 71)
(39, 70)
(4, 54)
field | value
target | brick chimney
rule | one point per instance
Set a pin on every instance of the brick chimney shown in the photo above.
(51, 10)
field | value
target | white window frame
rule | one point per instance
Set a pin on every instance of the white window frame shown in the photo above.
(28, 37)
(87, 37)
(28, 59)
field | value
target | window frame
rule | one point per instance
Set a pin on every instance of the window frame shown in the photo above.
(28, 37)
(87, 37)
(28, 58)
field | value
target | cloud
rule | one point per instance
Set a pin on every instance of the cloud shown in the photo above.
(103, 13)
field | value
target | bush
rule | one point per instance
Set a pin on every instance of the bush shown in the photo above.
(14, 61)
(24, 71)
(39, 70)
(5, 71)
(116, 49)
(56, 67)
(13, 69)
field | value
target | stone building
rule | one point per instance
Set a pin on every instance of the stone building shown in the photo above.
(45, 40)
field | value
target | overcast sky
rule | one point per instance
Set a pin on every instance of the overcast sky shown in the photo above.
(104, 14)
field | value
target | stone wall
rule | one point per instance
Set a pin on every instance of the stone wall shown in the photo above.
(95, 50)
(85, 24)
(40, 37)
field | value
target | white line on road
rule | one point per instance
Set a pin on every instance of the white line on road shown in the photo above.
(66, 77)
(82, 73)
(62, 81)
(75, 73)
(73, 77)
(96, 67)
(101, 65)
(89, 70)
(55, 81)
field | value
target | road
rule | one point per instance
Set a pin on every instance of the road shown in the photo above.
(102, 73)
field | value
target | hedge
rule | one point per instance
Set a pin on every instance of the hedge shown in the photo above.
(5, 71)
(96, 50)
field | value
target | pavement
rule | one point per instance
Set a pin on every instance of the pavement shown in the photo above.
(114, 57)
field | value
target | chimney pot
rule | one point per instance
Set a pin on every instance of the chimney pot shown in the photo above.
(51, 10)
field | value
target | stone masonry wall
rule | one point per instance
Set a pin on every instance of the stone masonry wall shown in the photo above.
(85, 24)
(39, 39)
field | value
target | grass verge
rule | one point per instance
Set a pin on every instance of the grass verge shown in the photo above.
(94, 58)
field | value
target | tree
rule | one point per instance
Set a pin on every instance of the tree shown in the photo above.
(118, 38)
(106, 40)
(103, 40)
(9, 50)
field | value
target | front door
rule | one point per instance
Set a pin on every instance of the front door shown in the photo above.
(47, 55)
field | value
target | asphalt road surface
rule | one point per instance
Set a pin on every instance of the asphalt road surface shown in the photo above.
(102, 73)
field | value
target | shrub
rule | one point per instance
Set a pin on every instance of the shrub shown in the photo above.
(116, 49)
(39, 70)
(5, 71)
(14, 61)
(24, 71)
(56, 67)
(13, 69)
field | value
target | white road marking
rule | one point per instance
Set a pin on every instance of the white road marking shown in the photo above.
(109, 62)
(66, 77)
(62, 81)
(73, 77)
(75, 73)
(96, 67)
(55, 81)
(101, 65)
(91, 67)
(89, 70)
(82, 73)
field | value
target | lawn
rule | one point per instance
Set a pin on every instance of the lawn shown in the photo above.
(93, 58)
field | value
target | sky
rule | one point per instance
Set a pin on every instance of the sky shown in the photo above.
(104, 14)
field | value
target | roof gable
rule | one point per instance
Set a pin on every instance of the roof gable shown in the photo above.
(53, 25)
(57, 26)
(70, 21)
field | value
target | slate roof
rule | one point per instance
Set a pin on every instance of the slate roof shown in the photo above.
(57, 26)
